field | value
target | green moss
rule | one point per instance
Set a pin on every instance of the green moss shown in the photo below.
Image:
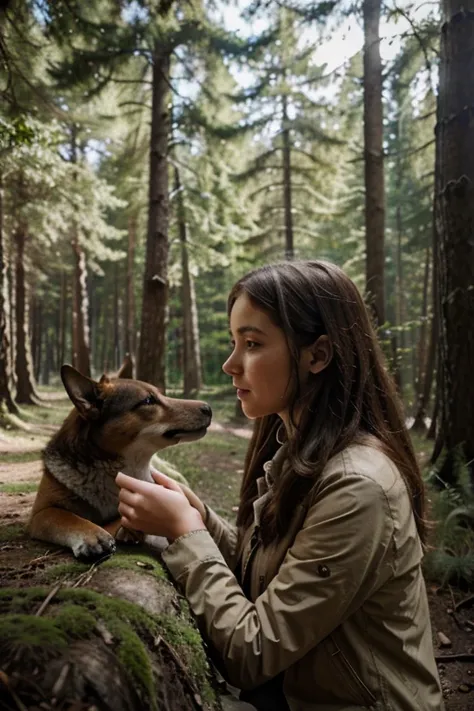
(21, 600)
(24, 487)
(11, 531)
(16, 457)
(132, 654)
(35, 635)
(126, 560)
(64, 570)
(131, 627)
(75, 621)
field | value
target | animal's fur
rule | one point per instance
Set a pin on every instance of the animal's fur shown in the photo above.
(116, 425)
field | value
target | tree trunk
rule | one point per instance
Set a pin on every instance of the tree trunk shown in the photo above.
(289, 245)
(456, 233)
(425, 355)
(130, 330)
(11, 299)
(6, 398)
(80, 301)
(61, 336)
(23, 363)
(151, 360)
(374, 162)
(36, 310)
(117, 359)
(80, 326)
(191, 353)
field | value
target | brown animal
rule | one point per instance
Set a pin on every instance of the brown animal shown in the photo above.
(116, 425)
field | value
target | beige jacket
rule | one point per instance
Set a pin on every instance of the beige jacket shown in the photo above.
(339, 606)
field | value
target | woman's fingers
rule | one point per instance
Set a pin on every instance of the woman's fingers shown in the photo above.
(129, 497)
(165, 481)
(126, 511)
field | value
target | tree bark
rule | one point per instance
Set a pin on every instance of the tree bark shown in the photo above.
(456, 233)
(424, 355)
(80, 325)
(26, 392)
(117, 358)
(374, 162)
(151, 359)
(6, 398)
(36, 310)
(80, 300)
(192, 378)
(61, 337)
(130, 329)
(287, 197)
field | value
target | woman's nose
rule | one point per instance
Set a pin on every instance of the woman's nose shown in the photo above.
(231, 365)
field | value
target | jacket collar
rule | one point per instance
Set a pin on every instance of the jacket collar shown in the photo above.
(265, 483)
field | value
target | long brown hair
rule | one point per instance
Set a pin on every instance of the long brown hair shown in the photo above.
(354, 396)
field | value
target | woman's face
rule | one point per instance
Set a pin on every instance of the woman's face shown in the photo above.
(260, 363)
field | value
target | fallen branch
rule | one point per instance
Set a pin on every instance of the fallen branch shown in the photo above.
(463, 603)
(463, 657)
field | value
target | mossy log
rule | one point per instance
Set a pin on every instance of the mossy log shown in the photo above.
(114, 637)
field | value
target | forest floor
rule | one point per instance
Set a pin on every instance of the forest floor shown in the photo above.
(213, 467)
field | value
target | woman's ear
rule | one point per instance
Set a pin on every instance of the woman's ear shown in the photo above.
(318, 356)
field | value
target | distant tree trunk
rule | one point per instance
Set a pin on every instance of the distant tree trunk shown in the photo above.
(61, 337)
(116, 319)
(36, 309)
(423, 355)
(6, 397)
(48, 363)
(151, 359)
(26, 392)
(104, 357)
(80, 301)
(399, 299)
(130, 329)
(11, 323)
(374, 162)
(191, 353)
(456, 233)
(289, 242)
(80, 326)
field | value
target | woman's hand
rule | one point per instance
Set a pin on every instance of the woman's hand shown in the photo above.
(170, 483)
(160, 509)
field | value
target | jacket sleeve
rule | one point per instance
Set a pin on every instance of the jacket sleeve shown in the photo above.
(224, 535)
(343, 552)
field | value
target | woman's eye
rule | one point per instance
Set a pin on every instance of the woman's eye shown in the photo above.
(251, 345)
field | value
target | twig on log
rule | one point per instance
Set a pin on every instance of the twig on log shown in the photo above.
(47, 600)
(41, 558)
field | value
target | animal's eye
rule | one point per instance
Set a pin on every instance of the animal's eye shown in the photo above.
(149, 400)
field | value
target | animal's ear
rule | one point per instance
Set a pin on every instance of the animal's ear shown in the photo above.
(83, 392)
(126, 369)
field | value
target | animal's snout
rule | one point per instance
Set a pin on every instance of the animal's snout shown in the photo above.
(206, 410)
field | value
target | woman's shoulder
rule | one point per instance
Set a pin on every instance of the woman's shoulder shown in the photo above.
(366, 460)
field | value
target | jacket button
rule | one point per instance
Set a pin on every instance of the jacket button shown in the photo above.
(324, 571)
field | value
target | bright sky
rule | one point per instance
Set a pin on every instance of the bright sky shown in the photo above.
(342, 43)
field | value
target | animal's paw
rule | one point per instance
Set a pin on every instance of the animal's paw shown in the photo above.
(125, 535)
(93, 547)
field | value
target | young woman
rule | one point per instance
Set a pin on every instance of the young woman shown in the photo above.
(315, 601)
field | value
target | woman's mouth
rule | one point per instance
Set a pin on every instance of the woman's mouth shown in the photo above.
(241, 393)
